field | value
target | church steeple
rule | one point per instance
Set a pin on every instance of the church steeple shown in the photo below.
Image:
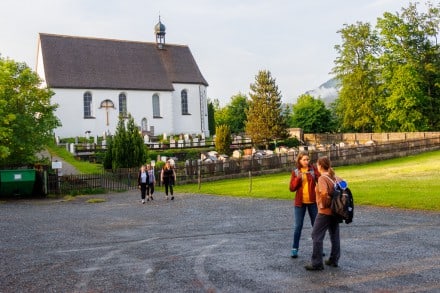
(159, 29)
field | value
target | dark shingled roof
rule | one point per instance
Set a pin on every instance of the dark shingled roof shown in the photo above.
(77, 62)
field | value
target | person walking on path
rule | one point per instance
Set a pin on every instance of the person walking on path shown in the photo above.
(168, 178)
(303, 182)
(325, 219)
(143, 182)
(151, 182)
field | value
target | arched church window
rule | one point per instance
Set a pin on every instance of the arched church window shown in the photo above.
(123, 104)
(184, 102)
(144, 124)
(87, 104)
(156, 106)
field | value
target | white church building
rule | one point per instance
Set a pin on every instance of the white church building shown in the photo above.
(97, 80)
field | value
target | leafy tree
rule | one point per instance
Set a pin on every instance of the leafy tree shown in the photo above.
(27, 116)
(223, 139)
(236, 113)
(356, 68)
(265, 121)
(233, 114)
(127, 146)
(389, 76)
(411, 61)
(311, 115)
(220, 114)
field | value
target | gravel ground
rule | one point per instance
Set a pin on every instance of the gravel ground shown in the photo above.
(200, 243)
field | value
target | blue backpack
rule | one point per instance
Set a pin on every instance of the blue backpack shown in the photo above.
(342, 203)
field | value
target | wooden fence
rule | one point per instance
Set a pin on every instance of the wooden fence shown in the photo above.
(197, 171)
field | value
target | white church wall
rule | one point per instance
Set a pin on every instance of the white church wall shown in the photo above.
(191, 123)
(139, 104)
(39, 68)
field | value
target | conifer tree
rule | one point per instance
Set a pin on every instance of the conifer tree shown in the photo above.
(264, 119)
(127, 149)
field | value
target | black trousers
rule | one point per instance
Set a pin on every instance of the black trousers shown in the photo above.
(322, 224)
(143, 190)
(150, 189)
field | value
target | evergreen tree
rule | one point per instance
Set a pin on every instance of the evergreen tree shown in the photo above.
(211, 117)
(108, 157)
(127, 146)
(265, 121)
(136, 144)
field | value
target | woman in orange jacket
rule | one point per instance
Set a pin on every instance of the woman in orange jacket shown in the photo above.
(325, 219)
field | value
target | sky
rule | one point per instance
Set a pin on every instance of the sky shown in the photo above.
(231, 40)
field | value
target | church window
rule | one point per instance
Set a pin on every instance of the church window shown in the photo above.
(184, 102)
(123, 105)
(156, 106)
(144, 124)
(87, 105)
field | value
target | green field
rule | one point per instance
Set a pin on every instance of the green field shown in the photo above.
(410, 183)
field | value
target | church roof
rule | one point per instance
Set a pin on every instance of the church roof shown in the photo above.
(79, 62)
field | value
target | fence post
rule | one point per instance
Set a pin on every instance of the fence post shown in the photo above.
(199, 177)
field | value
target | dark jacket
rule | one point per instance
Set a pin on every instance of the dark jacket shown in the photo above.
(139, 177)
(168, 176)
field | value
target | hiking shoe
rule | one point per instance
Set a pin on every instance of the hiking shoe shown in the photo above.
(143, 201)
(331, 263)
(172, 197)
(294, 253)
(314, 268)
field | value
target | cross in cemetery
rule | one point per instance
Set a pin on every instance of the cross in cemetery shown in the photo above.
(107, 104)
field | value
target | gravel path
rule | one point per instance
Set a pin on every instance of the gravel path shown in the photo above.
(200, 243)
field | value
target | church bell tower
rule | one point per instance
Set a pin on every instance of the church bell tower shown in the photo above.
(159, 29)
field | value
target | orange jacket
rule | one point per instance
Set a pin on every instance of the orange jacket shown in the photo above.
(324, 189)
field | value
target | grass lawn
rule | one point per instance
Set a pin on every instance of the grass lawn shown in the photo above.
(410, 183)
(82, 166)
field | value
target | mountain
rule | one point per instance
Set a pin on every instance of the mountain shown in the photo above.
(328, 91)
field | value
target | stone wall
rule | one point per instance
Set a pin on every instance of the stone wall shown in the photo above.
(362, 138)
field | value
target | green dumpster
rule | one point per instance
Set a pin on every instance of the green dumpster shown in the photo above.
(17, 182)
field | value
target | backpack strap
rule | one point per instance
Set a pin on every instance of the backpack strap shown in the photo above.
(329, 178)
(312, 172)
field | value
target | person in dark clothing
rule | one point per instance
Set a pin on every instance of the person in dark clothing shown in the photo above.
(143, 182)
(168, 178)
(151, 182)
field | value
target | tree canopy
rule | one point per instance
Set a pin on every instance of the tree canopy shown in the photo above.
(27, 116)
(311, 115)
(390, 77)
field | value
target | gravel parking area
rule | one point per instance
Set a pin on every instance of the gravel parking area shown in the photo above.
(200, 243)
